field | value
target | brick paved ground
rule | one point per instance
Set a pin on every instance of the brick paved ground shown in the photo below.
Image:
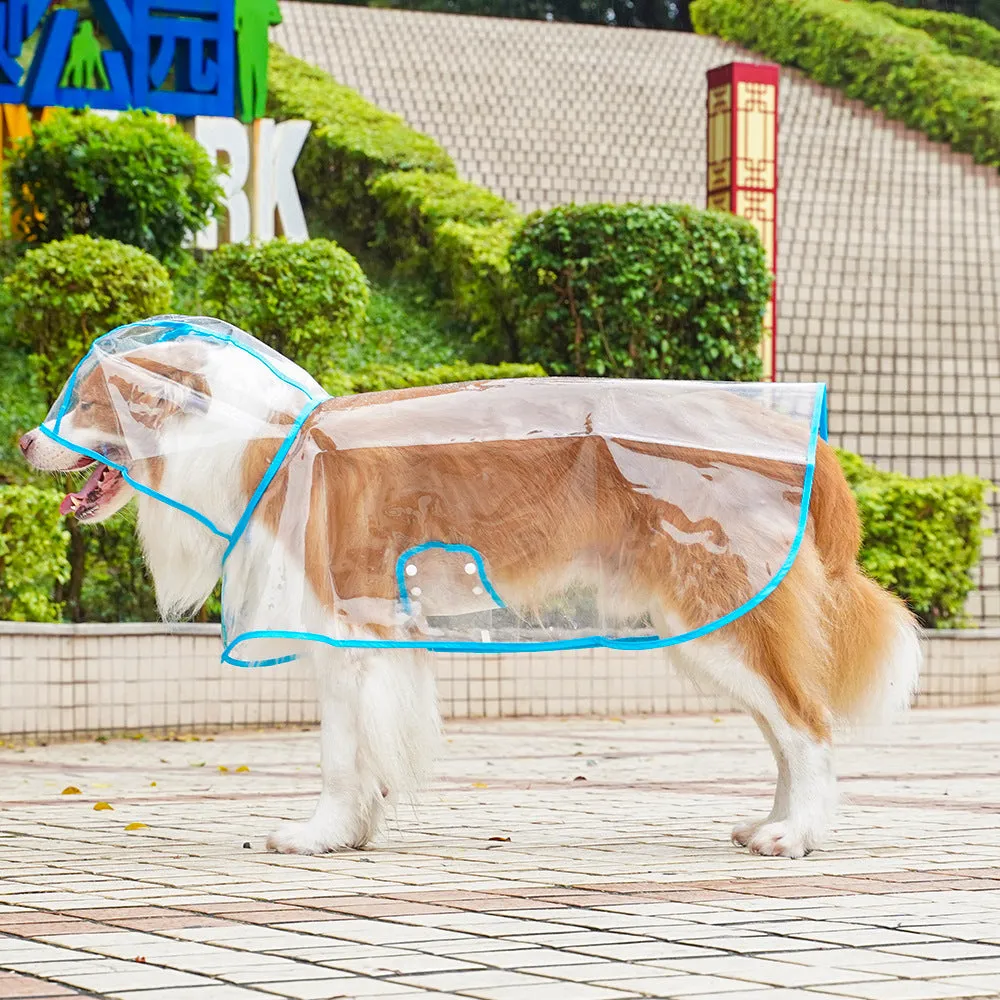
(576, 859)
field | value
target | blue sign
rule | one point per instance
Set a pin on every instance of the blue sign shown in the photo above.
(176, 57)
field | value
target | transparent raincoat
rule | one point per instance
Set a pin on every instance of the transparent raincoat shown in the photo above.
(509, 515)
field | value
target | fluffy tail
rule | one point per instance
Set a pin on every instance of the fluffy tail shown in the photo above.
(873, 638)
(876, 651)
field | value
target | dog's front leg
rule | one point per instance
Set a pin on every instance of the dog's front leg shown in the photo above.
(350, 803)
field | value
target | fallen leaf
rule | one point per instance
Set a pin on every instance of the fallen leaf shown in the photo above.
(70, 790)
(716, 718)
(504, 839)
(139, 958)
(242, 769)
(246, 845)
(137, 826)
(200, 763)
(480, 784)
(152, 784)
(222, 767)
(101, 806)
(579, 777)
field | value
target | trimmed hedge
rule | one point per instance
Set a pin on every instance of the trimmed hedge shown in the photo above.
(352, 142)
(457, 235)
(136, 178)
(377, 378)
(965, 36)
(33, 553)
(302, 299)
(661, 291)
(921, 537)
(65, 293)
(900, 71)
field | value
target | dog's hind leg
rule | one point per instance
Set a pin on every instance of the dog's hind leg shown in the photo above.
(379, 729)
(805, 794)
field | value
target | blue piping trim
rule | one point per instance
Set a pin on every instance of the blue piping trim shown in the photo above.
(585, 642)
(404, 594)
(270, 473)
(98, 457)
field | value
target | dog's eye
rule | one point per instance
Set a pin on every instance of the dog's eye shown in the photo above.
(86, 406)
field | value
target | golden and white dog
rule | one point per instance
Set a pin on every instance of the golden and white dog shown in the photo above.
(827, 646)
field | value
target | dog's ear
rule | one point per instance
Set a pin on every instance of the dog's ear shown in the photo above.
(170, 389)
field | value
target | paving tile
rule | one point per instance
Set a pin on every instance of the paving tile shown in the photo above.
(588, 902)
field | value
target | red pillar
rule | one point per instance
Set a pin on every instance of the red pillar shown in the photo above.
(743, 165)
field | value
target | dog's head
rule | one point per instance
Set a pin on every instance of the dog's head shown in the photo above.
(119, 408)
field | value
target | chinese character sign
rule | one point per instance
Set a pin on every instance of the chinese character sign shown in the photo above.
(177, 57)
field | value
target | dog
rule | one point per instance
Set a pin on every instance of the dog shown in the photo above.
(827, 646)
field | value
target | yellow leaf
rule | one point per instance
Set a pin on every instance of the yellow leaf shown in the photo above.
(480, 784)
(71, 790)
(222, 767)
(136, 826)
(152, 784)
(100, 806)
(242, 769)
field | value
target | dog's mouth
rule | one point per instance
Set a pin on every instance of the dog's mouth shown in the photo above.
(95, 494)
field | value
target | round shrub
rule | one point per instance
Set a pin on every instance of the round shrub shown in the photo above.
(660, 291)
(33, 560)
(66, 293)
(136, 178)
(302, 299)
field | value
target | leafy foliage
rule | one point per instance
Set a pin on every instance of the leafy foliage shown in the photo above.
(457, 235)
(377, 378)
(352, 142)
(640, 291)
(898, 70)
(66, 293)
(116, 586)
(22, 406)
(33, 558)
(965, 36)
(299, 298)
(136, 178)
(921, 537)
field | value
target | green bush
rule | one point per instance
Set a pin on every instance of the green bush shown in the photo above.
(921, 537)
(900, 71)
(137, 179)
(377, 378)
(352, 142)
(646, 291)
(965, 36)
(66, 293)
(33, 544)
(457, 235)
(302, 299)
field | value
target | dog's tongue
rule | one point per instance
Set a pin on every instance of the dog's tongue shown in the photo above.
(71, 501)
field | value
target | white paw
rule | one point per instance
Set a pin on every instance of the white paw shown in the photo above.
(306, 838)
(780, 840)
(742, 832)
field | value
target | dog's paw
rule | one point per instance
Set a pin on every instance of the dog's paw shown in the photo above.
(779, 840)
(743, 832)
(305, 838)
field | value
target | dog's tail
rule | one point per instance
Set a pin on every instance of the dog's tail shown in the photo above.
(875, 650)
(874, 641)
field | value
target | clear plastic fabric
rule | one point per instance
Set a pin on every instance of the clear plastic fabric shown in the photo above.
(509, 515)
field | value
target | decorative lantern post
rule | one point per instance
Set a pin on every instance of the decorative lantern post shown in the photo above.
(743, 164)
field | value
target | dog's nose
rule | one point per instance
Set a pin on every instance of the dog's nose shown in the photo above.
(25, 443)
